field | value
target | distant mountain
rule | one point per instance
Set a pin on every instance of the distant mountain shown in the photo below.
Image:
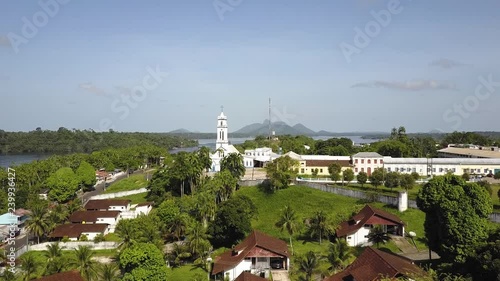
(280, 128)
(179, 131)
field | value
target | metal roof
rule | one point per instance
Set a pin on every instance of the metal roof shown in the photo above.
(450, 161)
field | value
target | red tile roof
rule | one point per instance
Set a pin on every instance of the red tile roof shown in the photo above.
(375, 216)
(247, 276)
(92, 216)
(74, 230)
(326, 163)
(104, 204)
(374, 264)
(254, 243)
(63, 276)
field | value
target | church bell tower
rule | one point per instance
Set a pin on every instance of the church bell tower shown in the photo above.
(222, 141)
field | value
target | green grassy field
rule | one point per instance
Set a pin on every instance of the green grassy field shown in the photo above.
(187, 272)
(136, 198)
(131, 183)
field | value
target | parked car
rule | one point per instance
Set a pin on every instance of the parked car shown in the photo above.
(276, 264)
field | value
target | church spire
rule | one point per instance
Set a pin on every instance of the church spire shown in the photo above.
(222, 132)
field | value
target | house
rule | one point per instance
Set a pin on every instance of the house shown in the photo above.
(247, 276)
(108, 205)
(309, 163)
(143, 208)
(110, 218)
(257, 254)
(374, 264)
(102, 175)
(74, 231)
(16, 219)
(356, 229)
(367, 162)
(259, 157)
(73, 275)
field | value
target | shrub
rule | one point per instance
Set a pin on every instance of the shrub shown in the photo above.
(99, 238)
(65, 239)
(84, 238)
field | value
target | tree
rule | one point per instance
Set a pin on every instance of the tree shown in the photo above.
(223, 184)
(456, 216)
(142, 262)
(232, 221)
(281, 171)
(314, 172)
(362, 177)
(334, 170)
(198, 240)
(377, 235)
(63, 185)
(466, 176)
(86, 174)
(348, 175)
(125, 230)
(339, 254)
(205, 207)
(83, 261)
(415, 176)
(308, 264)
(37, 224)
(288, 221)
(407, 181)
(233, 162)
(204, 158)
(319, 225)
(108, 272)
(392, 179)
(179, 226)
(29, 266)
(377, 177)
(55, 262)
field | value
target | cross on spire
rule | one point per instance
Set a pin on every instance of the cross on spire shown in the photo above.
(221, 108)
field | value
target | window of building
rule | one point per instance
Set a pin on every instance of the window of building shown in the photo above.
(368, 161)
(362, 169)
(485, 171)
(261, 259)
(397, 169)
(381, 161)
(356, 170)
(388, 169)
(374, 161)
(434, 170)
(355, 161)
(302, 170)
(321, 170)
(453, 170)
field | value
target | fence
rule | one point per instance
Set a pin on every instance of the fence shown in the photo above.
(74, 245)
(119, 194)
(250, 182)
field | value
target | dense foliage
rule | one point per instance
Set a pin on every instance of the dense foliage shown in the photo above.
(82, 141)
(281, 172)
(143, 262)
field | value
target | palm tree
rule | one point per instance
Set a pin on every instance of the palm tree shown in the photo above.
(37, 224)
(233, 162)
(204, 157)
(206, 207)
(9, 275)
(308, 264)
(84, 263)
(198, 240)
(288, 222)
(319, 226)
(178, 226)
(377, 235)
(53, 254)
(338, 254)
(74, 206)
(108, 272)
(126, 231)
(29, 266)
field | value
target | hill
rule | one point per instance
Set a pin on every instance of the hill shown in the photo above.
(280, 128)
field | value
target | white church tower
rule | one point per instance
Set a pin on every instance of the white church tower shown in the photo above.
(222, 134)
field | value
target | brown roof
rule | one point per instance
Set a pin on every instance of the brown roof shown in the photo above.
(75, 229)
(374, 264)
(256, 239)
(247, 276)
(63, 276)
(92, 216)
(350, 226)
(326, 163)
(105, 204)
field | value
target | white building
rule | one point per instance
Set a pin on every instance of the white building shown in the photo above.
(110, 218)
(108, 205)
(367, 162)
(222, 146)
(258, 157)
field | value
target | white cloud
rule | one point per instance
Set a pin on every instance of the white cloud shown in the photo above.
(414, 85)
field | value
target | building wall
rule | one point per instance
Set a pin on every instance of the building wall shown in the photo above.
(119, 208)
(237, 270)
(367, 165)
(358, 238)
(92, 235)
(143, 209)
(442, 169)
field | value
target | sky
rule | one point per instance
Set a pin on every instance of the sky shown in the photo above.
(340, 66)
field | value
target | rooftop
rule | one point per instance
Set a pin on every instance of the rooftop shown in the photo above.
(367, 155)
(482, 153)
(63, 276)
(92, 216)
(450, 161)
(247, 276)
(350, 226)
(105, 204)
(74, 230)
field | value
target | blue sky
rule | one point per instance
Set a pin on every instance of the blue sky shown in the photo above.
(85, 64)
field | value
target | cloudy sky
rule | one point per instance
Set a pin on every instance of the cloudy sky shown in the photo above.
(360, 65)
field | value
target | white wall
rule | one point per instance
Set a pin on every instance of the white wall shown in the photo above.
(74, 245)
(119, 194)
(363, 165)
(358, 238)
(143, 209)
(237, 270)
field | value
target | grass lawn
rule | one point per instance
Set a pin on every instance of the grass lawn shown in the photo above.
(131, 183)
(136, 198)
(305, 201)
(186, 272)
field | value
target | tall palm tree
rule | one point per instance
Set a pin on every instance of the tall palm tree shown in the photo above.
(126, 232)
(37, 224)
(53, 254)
(206, 207)
(198, 240)
(178, 226)
(83, 262)
(73, 206)
(377, 235)
(204, 156)
(29, 266)
(9, 275)
(338, 254)
(233, 162)
(108, 272)
(309, 264)
(319, 226)
(288, 222)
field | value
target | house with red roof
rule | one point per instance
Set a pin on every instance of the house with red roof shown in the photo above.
(63, 276)
(374, 264)
(247, 276)
(356, 229)
(257, 254)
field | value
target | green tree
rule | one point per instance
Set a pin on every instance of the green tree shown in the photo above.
(55, 261)
(339, 254)
(314, 172)
(377, 177)
(348, 175)
(392, 179)
(223, 185)
(334, 169)
(108, 272)
(407, 181)
(29, 266)
(205, 207)
(309, 264)
(362, 177)
(319, 225)
(233, 162)
(415, 176)
(86, 175)
(456, 216)
(198, 241)
(281, 172)
(377, 235)
(143, 262)
(63, 185)
(83, 262)
(37, 223)
(288, 221)
(466, 176)
(179, 226)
